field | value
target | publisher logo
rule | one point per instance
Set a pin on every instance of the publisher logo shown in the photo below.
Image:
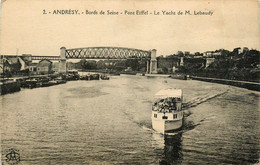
(13, 157)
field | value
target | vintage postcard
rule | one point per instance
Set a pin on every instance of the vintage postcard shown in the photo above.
(129, 82)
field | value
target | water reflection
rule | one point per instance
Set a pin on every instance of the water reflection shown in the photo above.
(172, 149)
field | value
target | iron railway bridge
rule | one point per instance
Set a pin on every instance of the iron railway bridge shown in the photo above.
(106, 53)
(99, 53)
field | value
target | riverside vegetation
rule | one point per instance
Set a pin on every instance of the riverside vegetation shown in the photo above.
(229, 65)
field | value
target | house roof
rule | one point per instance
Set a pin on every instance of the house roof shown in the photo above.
(12, 60)
(25, 60)
(44, 63)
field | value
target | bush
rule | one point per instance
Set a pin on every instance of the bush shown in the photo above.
(164, 70)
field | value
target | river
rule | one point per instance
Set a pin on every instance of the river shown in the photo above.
(109, 122)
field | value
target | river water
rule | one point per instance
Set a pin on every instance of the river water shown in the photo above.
(109, 122)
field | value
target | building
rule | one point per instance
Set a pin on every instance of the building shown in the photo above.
(212, 53)
(24, 64)
(44, 67)
(27, 57)
(5, 66)
(10, 64)
(55, 67)
(32, 68)
(245, 49)
(14, 65)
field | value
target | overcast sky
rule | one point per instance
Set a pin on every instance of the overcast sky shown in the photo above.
(25, 28)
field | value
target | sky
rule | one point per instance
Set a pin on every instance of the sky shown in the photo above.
(24, 29)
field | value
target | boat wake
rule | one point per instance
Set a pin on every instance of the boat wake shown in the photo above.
(147, 128)
(199, 100)
(187, 125)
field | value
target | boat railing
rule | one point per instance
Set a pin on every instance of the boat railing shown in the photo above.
(176, 106)
(165, 110)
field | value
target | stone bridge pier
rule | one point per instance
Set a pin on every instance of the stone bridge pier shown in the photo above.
(152, 63)
(62, 61)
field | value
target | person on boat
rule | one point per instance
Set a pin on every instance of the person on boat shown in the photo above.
(161, 106)
(155, 106)
(178, 106)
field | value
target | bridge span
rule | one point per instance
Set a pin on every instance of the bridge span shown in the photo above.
(108, 53)
(111, 53)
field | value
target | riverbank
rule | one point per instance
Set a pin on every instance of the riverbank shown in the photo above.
(157, 75)
(243, 84)
(15, 84)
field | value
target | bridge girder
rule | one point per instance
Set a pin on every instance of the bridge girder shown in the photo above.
(46, 58)
(106, 53)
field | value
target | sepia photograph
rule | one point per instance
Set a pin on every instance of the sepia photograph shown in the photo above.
(129, 82)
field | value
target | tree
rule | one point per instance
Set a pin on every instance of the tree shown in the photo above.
(91, 64)
(180, 54)
(101, 64)
(165, 70)
(82, 64)
(133, 63)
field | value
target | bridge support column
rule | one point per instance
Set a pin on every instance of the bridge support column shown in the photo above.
(148, 66)
(62, 62)
(153, 62)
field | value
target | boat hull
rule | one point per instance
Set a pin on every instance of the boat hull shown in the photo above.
(163, 126)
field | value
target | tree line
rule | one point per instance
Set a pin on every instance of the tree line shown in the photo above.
(122, 65)
(233, 65)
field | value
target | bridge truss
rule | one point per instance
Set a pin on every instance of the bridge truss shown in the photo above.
(106, 53)
(46, 58)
